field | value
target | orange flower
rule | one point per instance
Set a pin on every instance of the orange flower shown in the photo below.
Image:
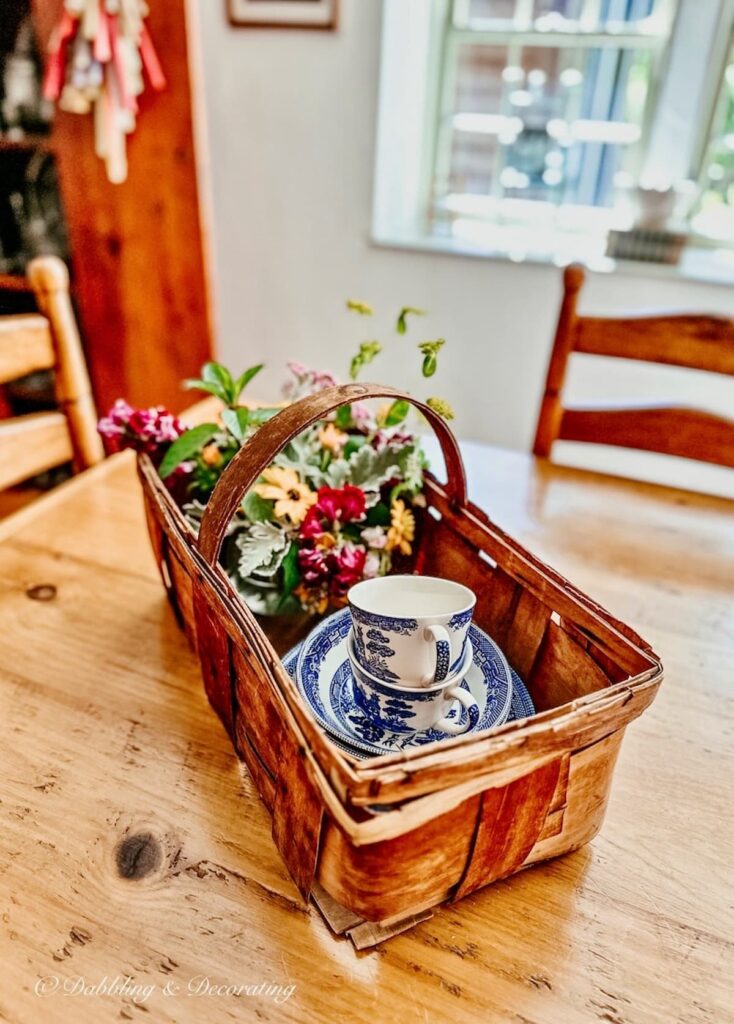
(402, 528)
(332, 438)
(292, 498)
(316, 601)
(211, 455)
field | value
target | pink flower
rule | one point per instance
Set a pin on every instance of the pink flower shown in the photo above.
(392, 439)
(371, 566)
(363, 415)
(297, 369)
(374, 537)
(350, 561)
(313, 564)
(307, 382)
(145, 430)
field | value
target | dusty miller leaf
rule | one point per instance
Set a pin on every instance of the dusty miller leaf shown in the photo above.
(259, 547)
(369, 469)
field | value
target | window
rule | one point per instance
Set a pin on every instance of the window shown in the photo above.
(544, 102)
(534, 127)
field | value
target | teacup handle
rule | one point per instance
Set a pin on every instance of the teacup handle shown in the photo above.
(440, 635)
(455, 728)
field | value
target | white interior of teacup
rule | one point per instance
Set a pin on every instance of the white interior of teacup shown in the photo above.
(414, 597)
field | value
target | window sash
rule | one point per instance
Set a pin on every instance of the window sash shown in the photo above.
(458, 31)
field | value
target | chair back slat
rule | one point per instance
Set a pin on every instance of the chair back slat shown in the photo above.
(33, 444)
(697, 342)
(669, 430)
(25, 346)
(691, 341)
(48, 340)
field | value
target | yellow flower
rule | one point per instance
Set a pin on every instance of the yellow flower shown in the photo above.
(211, 456)
(333, 438)
(292, 498)
(402, 528)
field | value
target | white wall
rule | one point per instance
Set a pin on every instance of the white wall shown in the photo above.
(291, 130)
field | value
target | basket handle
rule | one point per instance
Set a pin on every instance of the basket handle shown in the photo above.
(258, 453)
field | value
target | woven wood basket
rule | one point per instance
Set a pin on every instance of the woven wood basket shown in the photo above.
(392, 836)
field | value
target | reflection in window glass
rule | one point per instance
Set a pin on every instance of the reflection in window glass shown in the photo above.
(564, 122)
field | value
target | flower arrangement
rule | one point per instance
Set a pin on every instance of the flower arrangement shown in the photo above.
(337, 505)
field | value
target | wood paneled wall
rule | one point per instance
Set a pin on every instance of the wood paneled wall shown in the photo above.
(138, 260)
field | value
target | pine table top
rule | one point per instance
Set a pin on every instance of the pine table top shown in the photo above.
(136, 858)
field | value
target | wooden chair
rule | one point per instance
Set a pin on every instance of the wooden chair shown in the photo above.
(698, 342)
(48, 340)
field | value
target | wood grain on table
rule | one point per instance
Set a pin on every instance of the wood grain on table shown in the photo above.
(133, 845)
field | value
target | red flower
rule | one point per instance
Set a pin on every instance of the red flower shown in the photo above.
(313, 564)
(349, 568)
(311, 527)
(345, 505)
(334, 505)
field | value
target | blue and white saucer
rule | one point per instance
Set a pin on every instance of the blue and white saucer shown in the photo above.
(321, 670)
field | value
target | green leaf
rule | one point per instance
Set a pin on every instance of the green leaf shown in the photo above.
(291, 574)
(244, 379)
(397, 412)
(262, 549)
(363, 308)
(186, 446)
(236, 421)
(260, 416)
(344, 417)
(353, 445)
(257, 509)
(202, 385)
(430, 350)
(442, 407)
(215, 373)
(378, 515)
(401, 326)
(288, 605)
(367, 352)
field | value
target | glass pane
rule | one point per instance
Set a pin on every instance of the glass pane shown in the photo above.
(495, 10)
(714, 214)
(564, 121)
(559, 15)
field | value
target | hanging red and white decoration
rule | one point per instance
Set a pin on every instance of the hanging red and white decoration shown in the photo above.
(98, 58)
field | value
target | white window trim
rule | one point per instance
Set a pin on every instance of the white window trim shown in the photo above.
(412, 35)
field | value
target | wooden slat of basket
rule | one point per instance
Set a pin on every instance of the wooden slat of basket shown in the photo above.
(506, 752)
(516, 814)
(544, 582)
(555, 679)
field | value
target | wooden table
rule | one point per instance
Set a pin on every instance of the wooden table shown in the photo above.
(107, 737)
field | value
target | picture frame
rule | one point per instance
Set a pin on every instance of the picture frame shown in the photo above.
(311, 14)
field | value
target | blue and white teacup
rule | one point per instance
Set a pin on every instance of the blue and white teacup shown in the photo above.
(410, 629)
(414, 709)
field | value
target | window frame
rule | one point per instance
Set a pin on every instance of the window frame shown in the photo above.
(515, 40)
(412, 88)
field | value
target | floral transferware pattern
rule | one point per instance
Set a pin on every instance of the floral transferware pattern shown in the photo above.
(324, 678)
